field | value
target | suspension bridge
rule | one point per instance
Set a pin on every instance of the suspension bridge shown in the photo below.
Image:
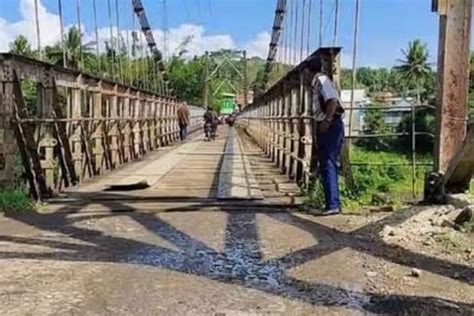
(217, 221)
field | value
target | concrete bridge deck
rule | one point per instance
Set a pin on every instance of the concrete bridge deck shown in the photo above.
(212, 235)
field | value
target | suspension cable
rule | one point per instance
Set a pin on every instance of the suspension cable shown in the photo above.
(302, 30)
(119, 43)
(61, 28)
(129, 59)
(97, 49)
(296, 33)
(134, 54)
(285, 38)
(38, 31)
(354, 61)
(310, 6)
(79, 27)
(142, 62)
(165, 29)
(290, 32)
(111, 44)
(321, 4)
(336, 23)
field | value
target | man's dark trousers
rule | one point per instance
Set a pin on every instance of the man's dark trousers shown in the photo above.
(183, 131)
(329, 147)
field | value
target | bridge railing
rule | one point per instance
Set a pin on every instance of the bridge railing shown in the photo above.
(68, 126)
(281, 121)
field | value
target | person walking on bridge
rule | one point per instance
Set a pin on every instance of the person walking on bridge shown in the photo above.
(327, 114)
(183, 120)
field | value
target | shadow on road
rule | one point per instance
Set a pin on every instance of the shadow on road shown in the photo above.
(241, 262)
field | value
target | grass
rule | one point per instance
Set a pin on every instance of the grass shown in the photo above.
(393, 182)
(13, 201)
(469, 226)
(448, 241)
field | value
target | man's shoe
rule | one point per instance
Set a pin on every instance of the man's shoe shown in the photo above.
(331, 212)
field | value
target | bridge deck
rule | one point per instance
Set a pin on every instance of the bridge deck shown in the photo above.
(229, 170)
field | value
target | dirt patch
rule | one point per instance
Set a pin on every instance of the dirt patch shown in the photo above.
(429, 232)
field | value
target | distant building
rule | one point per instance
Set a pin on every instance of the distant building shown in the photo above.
(401, 108)
(360, 101)
(241, 101)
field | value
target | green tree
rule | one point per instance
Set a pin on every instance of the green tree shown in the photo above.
(73, 49)
(425, 123)
(187, 78)
(21, 46)
(374, 124)
(415, 66)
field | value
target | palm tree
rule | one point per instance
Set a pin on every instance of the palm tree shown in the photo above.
(21, 46)
(74, 51)
(415, 66)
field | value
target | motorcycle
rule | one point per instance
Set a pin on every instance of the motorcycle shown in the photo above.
(209, 132)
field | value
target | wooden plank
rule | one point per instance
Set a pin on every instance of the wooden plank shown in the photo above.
(64, 150)
(27, 145)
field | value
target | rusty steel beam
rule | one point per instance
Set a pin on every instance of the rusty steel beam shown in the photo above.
(453, 92)
(453, 79)
(276, 33)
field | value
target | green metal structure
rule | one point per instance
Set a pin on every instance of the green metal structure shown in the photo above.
(227, 103)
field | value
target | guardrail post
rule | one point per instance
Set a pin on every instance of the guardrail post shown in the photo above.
(274, 128)
(288, 133)
(297, 134)
(97, 136)
(126, 130)
(154, 125)
(75, 139)
(113, 132)
(47, 143)
(7, 137)
(281, 131)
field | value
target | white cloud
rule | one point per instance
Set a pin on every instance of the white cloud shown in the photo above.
(198, 40)
(259, 45)
(49, 26)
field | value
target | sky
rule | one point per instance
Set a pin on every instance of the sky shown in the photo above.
(386, 26)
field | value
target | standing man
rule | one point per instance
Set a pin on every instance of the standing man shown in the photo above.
(183, 120)
(327, 113)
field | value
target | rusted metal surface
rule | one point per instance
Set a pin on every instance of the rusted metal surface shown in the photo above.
(453, 74)
(452, 110)
(80, 127)
(461, 169)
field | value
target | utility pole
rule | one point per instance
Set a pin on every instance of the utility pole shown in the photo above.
(205, 94)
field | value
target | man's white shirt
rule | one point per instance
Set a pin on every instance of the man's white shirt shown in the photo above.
(322, 85)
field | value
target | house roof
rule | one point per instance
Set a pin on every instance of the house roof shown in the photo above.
(359, 95)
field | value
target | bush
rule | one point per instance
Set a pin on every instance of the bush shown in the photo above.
(395, 181)
(15, 201)
(425, 122)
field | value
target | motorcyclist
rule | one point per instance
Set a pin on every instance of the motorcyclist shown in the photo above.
(209, 121)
